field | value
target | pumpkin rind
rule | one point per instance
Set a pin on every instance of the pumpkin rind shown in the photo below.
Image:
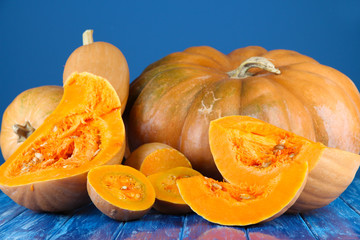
(174, 100)
(33, 106)
(33, 180)
(110, 204)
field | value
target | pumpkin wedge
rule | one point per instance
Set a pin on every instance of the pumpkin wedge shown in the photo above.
(120, 192)
(245, 147)
(168, 199)
(48, 171)
(151, 158)
(244, 204)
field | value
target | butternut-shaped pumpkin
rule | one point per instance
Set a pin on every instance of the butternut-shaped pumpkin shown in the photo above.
(245, 203)
(25, 114)
(120, 192)
(168, 199)
(175, 98)
(248, 149)
(102, 59)
(48, 171)
(151, 158)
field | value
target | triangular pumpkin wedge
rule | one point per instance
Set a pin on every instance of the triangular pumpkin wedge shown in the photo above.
(48, 171)
(245, 148)
(244, 204)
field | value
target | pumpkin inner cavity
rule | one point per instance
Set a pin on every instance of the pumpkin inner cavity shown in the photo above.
(239, 193)
(124, 187)
(69, 144)
(263, 151)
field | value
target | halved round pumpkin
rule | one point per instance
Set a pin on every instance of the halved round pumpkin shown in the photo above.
(168, 199)
(245, 148)
(156, 157)
(120, 192)
(244, 203)
(48, 171)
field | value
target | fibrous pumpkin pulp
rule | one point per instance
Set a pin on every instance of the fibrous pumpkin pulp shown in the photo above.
(48, 171)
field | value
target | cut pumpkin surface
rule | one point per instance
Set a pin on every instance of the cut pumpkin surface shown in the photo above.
(243, 204)
(168, 199)
(120, 192)
(48, 171)
(247, 148)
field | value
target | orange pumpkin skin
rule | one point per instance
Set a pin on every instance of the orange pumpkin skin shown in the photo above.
(174, 100)
(102, 59)
(48, 171)
(31, 106)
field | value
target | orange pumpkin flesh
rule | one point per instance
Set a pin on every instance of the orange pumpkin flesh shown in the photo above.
(151, 158)
(243, 204)
(102, 59)
(244, 147)
(199, 85)
(25, 114)
(120, 192)
(48, 171)
(168, 199)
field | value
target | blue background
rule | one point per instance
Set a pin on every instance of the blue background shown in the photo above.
(36, 37)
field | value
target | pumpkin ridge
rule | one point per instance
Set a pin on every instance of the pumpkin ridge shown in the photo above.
(340, 86)
(200, 51)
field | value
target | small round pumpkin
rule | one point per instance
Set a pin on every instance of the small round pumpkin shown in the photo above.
(25, 114)
(175, 98)
(102, 59)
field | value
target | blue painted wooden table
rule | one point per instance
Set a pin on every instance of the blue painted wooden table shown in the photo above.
(339, 220)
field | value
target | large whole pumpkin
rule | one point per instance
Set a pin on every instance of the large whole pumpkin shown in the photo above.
(175, 98)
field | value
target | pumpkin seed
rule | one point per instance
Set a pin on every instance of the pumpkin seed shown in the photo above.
(292, 155)
(279, 147)
(245, 196)
(124, 187)
(282, 142)
(218, 186)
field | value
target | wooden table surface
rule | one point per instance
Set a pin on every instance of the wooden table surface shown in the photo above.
(339, 220)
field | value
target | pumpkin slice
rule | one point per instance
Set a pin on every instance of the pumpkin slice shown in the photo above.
(48, 171)
(151, 158)
(247, 147)
(168, 199)
(243, 204)
(120, 192)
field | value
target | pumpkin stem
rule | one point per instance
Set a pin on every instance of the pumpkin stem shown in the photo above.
(88, 37)
(23, 131)
(253, 62)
